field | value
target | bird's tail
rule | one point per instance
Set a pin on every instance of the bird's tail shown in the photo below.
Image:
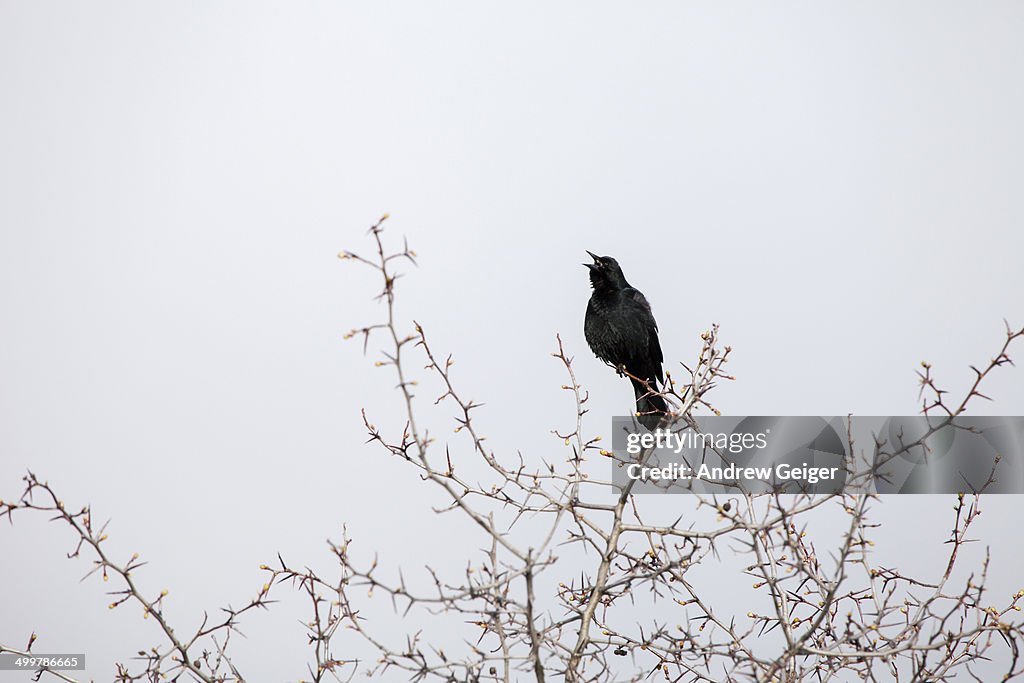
(650, 406)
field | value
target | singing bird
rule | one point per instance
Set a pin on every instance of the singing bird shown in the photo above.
(621, 331)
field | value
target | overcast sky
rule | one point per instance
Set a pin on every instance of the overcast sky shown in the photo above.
(838, 185)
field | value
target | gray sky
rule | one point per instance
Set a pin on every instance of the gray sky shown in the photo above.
(836, 184)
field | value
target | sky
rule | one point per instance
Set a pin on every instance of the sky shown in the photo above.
(836, 185)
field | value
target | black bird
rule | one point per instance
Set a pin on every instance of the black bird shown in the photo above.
(621, 331)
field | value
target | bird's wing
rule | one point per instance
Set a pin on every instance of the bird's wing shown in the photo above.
(646, 315)
(650, 326)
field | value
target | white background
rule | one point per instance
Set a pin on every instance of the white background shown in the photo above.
(837, 185)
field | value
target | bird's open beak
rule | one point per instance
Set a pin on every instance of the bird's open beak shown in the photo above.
(593, 256)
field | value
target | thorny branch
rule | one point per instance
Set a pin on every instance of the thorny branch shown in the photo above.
(575, 582)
